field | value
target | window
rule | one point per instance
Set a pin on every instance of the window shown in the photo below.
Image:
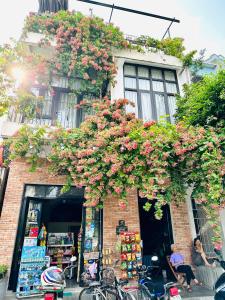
(152, 90)
(203, 228)
(56, 106)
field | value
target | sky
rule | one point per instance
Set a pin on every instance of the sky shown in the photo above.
(202, 22)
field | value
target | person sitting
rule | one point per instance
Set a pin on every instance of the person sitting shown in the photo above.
(177, 261)
(198, 255)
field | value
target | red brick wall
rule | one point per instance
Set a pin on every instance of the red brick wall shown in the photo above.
(19, 175)
(181, 229)
(113, 213)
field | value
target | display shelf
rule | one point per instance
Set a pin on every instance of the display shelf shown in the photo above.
(32, 260)
(57, 263)
(64, 245)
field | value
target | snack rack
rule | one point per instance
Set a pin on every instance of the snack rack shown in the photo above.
(130, 254)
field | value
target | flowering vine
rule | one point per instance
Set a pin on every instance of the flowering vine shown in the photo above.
(113, 152)
(83, 47)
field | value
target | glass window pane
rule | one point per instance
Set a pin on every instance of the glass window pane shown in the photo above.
(143, 72)
(171, 88)
(156, 74)
(146, 107)
(66, 113)
(75, 84)
(169, 75)
(160, 106)
(130, 83)
(144, 84)
(132, 96)
(129, 70)
(157, 86)
(172, 107)
(60, 81)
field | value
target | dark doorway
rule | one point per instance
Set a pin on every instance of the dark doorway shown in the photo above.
(61, 214)
(156, 234)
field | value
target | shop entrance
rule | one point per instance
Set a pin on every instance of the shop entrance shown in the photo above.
(53, 227)
(156, 235)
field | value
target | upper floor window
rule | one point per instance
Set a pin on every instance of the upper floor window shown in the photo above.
(58, 107)
(152, 90)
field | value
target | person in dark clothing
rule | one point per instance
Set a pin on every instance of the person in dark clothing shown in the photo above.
(177, 261)
(198, 255)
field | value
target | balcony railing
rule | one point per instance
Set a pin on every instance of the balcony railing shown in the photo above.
(57, 108)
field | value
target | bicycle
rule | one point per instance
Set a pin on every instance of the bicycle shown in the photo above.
(107, 288)
(148, 289)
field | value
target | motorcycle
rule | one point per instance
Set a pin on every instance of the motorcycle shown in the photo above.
(53, 281)
(220, 283)
(154, 289)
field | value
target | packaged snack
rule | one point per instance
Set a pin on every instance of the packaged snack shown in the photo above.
(123, 265)
(129, 256)
(132, 237)
(138, 247)
(137, 237)
(124, 275)
(123, 248)
(129, 248)
(134, 247)
(123, 256)
(129, 275)
(133, 256)
(127, 238)
(134, 273)
(130, 266)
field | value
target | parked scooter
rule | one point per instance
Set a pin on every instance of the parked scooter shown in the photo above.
(53, 281)
(220, 283)
(153, 289)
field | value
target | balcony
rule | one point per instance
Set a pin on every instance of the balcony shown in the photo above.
(57, 107)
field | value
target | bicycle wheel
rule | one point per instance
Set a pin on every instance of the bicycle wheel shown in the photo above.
(92, 293)
(128, 296)
(111, 293)
(143, 293)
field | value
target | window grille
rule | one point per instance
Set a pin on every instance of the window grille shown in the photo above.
(203, 228)
(152, 90)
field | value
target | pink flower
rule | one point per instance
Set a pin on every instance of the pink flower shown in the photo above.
(122, 204)
(149, 124)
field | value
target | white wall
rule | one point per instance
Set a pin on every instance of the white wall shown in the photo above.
(158, 59)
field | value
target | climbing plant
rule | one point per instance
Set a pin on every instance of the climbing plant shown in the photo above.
(113, 152)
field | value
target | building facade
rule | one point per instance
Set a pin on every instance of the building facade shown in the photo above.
(32, 201)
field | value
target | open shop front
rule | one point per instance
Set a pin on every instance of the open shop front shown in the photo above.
(157, 237)
(53, 227)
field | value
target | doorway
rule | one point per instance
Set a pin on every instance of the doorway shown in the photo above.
(48, 234)
(156, 235)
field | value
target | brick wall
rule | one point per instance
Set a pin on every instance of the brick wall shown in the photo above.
(181, 229)
(19, 175)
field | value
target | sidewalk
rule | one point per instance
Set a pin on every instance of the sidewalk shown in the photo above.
(198, 293)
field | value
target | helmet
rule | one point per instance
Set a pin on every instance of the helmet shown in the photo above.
(52, 276)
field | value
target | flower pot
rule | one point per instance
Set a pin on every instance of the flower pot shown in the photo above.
(3, 286)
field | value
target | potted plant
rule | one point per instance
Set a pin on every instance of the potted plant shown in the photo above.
(3, 281)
